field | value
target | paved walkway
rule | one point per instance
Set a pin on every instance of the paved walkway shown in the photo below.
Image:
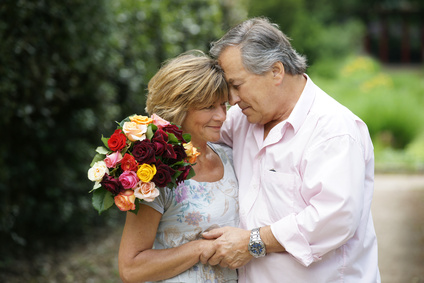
(398, 212)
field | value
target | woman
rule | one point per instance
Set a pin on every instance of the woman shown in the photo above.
(189, 90)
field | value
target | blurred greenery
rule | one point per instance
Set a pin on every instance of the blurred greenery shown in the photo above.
(69, 69)
(389, 100)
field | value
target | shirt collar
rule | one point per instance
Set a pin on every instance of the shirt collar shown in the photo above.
(303, 105)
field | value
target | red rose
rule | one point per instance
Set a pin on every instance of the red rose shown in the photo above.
(128, 163)
(169, 152)
(180, 154)
(117, 141)
(185, 171)
(160, 145)
(160, 134)
(111, 184)
(163, 174)
(144, 152)
(173, 129)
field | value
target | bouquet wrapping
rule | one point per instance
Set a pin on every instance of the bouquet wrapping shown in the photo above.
(142, 155)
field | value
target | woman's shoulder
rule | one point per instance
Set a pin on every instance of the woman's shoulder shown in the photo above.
(224, 151)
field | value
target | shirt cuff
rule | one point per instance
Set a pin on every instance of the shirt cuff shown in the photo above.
(288, 235)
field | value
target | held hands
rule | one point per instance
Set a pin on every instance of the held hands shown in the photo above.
(229, 249)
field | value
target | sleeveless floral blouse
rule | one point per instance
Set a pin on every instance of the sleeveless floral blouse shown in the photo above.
(193, 207)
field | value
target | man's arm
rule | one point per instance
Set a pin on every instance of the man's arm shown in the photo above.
(230, 248)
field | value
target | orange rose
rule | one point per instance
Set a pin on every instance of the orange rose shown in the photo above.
(125, 200)
(191, 152)
(142, 120)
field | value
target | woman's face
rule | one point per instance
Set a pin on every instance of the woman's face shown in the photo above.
(205, 124)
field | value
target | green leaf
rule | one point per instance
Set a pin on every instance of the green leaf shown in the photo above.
(97, 157)
(104, 140)
(137, 206)
(191, 173)
(102, 150)
(96, 186)
(187, 137)
(149, 132)
(125, 120)
(102, 200)
(172, 139)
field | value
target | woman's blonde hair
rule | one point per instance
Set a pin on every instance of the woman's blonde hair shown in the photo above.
(190, 81)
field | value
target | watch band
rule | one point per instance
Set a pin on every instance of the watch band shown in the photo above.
(256, 246)
(255, 235)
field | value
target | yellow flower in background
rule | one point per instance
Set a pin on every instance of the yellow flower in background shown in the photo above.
(358, 65)
(146, 172)
(379, 81)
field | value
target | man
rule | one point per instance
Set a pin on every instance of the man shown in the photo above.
(305, 166)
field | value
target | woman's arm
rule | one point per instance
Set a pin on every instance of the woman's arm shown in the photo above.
(138, 262)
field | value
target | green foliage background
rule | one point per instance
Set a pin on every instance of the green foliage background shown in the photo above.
(69, 69)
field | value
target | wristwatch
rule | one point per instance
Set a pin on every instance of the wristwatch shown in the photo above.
(256, 246)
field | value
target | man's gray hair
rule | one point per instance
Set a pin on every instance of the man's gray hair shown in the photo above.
(261, 44)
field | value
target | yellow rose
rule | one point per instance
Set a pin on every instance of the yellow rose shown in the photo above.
(146, 172)
(191, 152)
(134, 131)
(142, 120)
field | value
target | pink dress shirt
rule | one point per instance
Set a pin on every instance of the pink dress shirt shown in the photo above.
(312, 180)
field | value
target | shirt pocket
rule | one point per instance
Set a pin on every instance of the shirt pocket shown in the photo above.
(277, 196)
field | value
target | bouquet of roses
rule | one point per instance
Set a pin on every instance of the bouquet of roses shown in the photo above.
(141, 155)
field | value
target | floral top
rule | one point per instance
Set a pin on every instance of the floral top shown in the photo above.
(193, 207)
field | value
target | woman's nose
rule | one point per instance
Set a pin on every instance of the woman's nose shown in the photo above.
(221, 113)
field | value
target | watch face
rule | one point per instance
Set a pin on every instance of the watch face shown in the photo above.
(256, 248)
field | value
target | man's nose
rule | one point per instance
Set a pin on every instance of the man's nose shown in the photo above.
(234, 98)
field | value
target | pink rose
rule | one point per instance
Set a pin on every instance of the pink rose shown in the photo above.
(146, 191)
(159, 122)
(125, 200)
(112, 159)
(128, 179)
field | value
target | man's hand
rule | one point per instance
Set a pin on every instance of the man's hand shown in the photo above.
(229, 249)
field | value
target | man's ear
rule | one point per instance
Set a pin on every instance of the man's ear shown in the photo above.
(278, 71)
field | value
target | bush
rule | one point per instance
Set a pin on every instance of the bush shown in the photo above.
(68, 72)
(389, 101)
(54, 97)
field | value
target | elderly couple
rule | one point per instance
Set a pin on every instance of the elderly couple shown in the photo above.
(284, 182)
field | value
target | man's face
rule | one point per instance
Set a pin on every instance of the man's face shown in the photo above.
(251, 92)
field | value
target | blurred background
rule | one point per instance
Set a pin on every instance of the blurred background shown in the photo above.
(69, 69)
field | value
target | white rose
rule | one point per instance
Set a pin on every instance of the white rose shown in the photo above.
(97, 172)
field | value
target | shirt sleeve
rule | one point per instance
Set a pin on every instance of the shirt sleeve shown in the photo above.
(229, 126)
(161, 202)
(333, 180)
